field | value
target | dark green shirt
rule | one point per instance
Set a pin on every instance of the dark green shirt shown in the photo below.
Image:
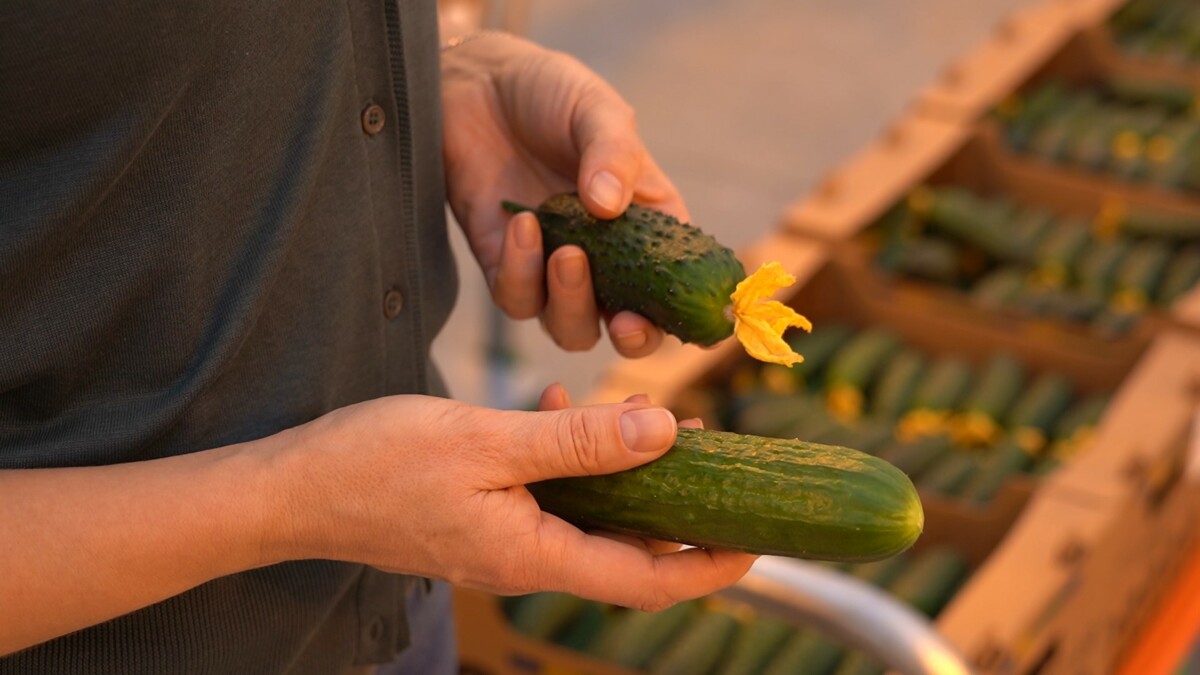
(209, 233)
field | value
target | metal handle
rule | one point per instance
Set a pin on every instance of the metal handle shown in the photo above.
(852, 612)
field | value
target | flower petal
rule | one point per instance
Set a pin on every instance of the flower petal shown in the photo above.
(760, 322)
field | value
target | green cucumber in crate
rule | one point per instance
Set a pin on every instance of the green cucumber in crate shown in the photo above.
(999, 288)
(962, 216)
(951, 472)
(699, 647)
(1153, 225)
(928, 584)
(1060, 251)
(1027, 230)
(1168, 97)
(1039, 408)
(941, 390)
(753, 494)
(858, 663)
(818, 348)
(989, 399)
(774, 414)
(542, 615)
(633, 637)
(1181, 275)
(1128, 151)
(999, 465)
(1139, 276)
(806, 653)
(1022, 117)
(867, 435)
(1053, 137)
(855, 367)
(1093, 148)
(756, 642)
(914, 457)
(1097, 269)
(881, 573)
(1168, 150)
(926, 258)
(586, 627)
(893, 392)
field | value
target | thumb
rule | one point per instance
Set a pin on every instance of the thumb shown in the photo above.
(584, 441)
(611, 152)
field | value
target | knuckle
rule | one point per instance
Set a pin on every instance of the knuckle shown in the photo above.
(580, 437)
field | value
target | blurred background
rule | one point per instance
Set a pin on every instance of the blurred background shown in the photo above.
(746, 104)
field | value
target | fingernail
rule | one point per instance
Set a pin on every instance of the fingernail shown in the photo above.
(525, 231)
(571, 270)
(634, 340)
(605, 190)
(648, 429)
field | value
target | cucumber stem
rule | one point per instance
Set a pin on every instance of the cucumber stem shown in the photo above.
(513, 207)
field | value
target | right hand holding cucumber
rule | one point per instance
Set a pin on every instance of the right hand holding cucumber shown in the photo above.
(432, 487)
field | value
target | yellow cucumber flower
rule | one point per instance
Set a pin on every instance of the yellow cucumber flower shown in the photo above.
(759, 322)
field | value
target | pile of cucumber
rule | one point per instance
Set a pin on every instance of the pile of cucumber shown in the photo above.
(1159, 29)
(1103, 272)
(957, 428)
(1135, 130)
(718, 637)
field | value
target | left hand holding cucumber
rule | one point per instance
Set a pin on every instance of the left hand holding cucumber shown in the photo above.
(538, 123)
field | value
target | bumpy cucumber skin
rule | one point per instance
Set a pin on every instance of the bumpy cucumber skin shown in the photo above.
(648, 262)
(760, 495)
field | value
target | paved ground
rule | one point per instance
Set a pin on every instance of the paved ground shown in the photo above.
(745, 103)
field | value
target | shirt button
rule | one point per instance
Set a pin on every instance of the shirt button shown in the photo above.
(393, 302)
(375, 629)
(373, 119)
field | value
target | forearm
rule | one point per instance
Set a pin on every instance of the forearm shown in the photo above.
(83, 545)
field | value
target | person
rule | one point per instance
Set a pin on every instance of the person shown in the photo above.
(223, 256)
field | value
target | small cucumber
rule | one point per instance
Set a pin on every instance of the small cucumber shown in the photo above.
(542, 615)
(931, 580)
(881, 573)
(1033, 416)
(999, 287)
(941, 390)
(999, 384)
(1140, 274)
(648, 262)
(914, 457)
(1181, 275)
(897, 384)
(818, 348)
(927, 258)
(949, 474)
(806, 654)
(586, 627)
(999, 465)
(634, 637)
(749, 493)
(854, 367)
(1098, 265)
(1140, 223)
(1060, 250)
(962, 216)
(756, 642)
(1028, 230)
(699, 647)
(858, 663)
(772, 415)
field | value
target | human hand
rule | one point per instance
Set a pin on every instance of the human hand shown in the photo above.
(432, 487)
(522, 123)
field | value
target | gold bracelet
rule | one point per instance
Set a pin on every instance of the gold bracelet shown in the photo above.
(459, 40)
